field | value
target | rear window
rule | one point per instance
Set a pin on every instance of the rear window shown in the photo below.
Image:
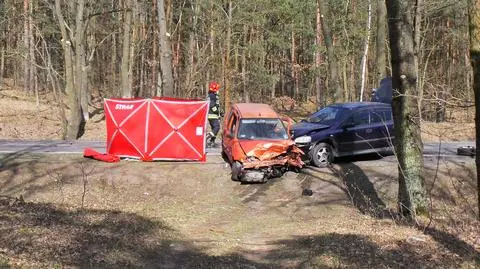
(252, 129)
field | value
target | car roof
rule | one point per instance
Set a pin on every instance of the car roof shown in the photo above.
(354, 105)
(255, 110)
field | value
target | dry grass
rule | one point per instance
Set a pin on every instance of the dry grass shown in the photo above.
(448, 131)
(184, 215)
(140, 215)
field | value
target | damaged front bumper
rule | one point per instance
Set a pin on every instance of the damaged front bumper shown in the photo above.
(268, 161)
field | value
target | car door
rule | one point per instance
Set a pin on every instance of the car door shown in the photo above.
(228, 136)
(382, 127)
(355, 134)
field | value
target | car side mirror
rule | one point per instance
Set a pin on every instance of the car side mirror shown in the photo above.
(229, 134)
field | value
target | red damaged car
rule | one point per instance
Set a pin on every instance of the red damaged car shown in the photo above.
(257, 144)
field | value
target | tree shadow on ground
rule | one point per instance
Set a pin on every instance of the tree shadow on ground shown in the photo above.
(453, 244)
(366, 199)
(361, 190)
(24, 164)
(48, 237)
(335, 250)
(45, 236)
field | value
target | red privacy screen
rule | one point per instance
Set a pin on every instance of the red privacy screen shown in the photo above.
(156, 129)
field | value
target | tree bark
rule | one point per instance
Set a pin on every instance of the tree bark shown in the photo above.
(381, 57)
(318, 59)
(417, 51)
(81, 77)
(412, 198)
(26, 44)
(365, 52)
(71, 130)
(2, 63)
(293, 64)
(165, 80)
(33, 82)
(332, 59)
(474, 29)
(228, 44)
(191, 52)
(246, 97)
(126, 68)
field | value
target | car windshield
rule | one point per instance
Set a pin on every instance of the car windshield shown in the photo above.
(327, 115)
(262, 129)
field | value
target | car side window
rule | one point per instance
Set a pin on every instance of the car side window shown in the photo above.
(380, 116)
(233, 124)
(360, 118)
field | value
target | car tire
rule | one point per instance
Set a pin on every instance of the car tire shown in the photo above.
(322, 155)
(236, 171)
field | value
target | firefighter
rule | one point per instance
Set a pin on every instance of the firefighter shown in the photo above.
(214, 112)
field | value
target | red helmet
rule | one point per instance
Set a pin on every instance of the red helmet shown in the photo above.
(214, 86)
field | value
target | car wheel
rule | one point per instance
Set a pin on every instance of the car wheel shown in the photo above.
(322, 155)
(237, 168)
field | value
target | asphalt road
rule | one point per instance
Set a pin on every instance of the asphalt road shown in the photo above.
(59, 146)
(431, 150)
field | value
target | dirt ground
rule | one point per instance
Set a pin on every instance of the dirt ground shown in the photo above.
(64, 211)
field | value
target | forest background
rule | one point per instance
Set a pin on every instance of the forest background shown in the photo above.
(283, 52)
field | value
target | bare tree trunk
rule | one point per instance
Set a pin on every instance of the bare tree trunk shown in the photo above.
(381, 57)
(474, 23)
(33, 83)
(417, 51)
(71, 131)
(81, 77)
(191, 49)
(332, 59)
(126, 75)
(2, 64)
(353, 78)
(272, 72)
(113, 65)
(246, 97)
(293, 63)
(365, 52)
(412, 198)
(26, 43)
(165, 81)
(132, 46)
(348, 92)
(318, 59)
(228, 41)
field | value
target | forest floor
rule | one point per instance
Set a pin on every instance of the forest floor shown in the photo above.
(64, 211)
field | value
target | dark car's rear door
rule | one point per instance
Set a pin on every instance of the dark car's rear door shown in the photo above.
(382, 127)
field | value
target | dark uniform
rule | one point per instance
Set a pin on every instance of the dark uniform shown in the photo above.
(214, 115)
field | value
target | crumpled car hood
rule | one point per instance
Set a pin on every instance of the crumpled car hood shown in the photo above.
(304, 128)
(272, 153)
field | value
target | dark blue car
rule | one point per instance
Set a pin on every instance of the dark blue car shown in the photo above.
(344, 130)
